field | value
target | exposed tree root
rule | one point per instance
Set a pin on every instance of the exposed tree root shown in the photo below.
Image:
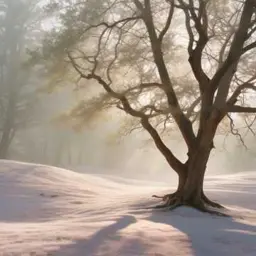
(173, 201)
(165, 197)
(207, 201)
(203, 208)
(169, 199)
(174, 206)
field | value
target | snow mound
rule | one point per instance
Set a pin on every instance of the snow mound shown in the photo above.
(51, 211)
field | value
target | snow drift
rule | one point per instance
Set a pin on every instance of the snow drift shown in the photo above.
(50, 211)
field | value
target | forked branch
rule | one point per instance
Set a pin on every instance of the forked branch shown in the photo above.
(114, 24)
(181, 120)
(234, 131)
(222, 78)
(196, 47)
(168, 22)
(233, 99)
(232, 108)
(169, 156)
(107, 86)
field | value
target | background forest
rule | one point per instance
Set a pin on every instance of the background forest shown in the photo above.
(34, 98)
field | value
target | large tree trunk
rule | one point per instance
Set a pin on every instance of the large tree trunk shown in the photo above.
(191, 174)
(196, 167)
(190, 186)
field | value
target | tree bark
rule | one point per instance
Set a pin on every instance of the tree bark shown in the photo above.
(191, 178)
(193, 187)
(190, 186)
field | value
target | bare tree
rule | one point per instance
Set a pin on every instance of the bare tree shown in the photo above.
(16, 99)
(130, 51)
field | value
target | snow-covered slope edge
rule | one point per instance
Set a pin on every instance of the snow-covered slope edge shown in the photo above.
(51, 211)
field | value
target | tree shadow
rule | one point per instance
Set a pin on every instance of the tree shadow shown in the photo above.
(210, 235)
(99, 241)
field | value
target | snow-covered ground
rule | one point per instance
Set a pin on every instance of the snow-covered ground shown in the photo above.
(50, 211)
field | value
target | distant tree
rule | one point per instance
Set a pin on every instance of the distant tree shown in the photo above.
(183, 63)
(17, 91)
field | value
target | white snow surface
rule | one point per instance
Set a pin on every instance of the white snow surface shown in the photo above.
(50, 211)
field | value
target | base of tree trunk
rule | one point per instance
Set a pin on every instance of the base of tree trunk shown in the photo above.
(175, 200)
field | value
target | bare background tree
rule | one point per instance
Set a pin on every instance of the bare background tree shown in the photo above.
(26, 129)
(18, 97)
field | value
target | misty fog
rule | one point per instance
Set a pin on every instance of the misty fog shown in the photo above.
(100, 148)
(31, 130)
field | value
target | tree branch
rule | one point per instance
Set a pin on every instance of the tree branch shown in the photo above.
(240, 109)
(190, 110)
(168, 22)
(125, 103)
(181, 120)
(114, 24)
(228, 37)
(249, 125)
(224, 75)
(224, 47)
(253, 30)
(139, 5)
(234, 131)
(139, 88)
(195, 54)
(232, 100)
(170, 158)
(249, 47)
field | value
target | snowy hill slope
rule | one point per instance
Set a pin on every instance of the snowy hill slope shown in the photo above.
(51, 211)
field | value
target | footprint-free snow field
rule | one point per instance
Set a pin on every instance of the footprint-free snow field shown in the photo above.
(50, 211)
